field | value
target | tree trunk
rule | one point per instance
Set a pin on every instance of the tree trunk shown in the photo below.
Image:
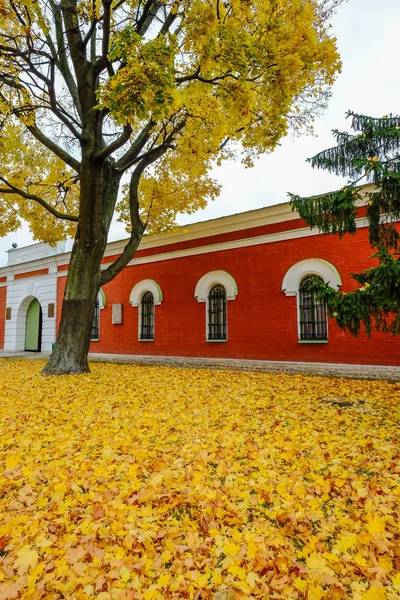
(83, 284)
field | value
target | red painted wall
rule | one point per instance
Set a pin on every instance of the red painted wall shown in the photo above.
(3, 294)
(31, 273)
(262, 321)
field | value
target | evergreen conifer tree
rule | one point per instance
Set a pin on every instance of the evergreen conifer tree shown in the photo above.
(369, 155)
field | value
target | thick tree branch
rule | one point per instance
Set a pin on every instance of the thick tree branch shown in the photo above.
(77, 52)
(54, 104)
(26, 56)
(36, 74)
(166, 144)
(62, 58)
(55, 148)
(188, 77)
(52, 146)
(137, 225)
(106, 35)
(224, 143)
(115, 145)
(149, 13)
(56, 213)
(40, 94)
(215, 80)
(136, 147)
(89, 34)
(49, 89)
(168, 23)
(153, 148)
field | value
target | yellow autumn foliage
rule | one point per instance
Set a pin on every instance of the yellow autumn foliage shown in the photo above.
(138, 483)
(197, 81)
(29, 166)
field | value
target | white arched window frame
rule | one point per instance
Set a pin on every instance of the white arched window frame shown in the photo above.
(202, 293)
(297, 273)
(136, 296)
(100, 304)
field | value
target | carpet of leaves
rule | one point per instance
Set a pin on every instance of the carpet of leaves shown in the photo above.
(152, 482)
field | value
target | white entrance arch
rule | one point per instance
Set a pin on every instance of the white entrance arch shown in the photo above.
(20, 293)
(20, 325)
(33, 327)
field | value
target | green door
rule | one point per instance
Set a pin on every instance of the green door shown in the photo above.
(33, 327)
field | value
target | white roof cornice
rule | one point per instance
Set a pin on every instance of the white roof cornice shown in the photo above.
(260, 217)
(241, 221)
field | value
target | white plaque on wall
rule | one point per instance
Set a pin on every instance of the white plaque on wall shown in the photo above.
(117, 314)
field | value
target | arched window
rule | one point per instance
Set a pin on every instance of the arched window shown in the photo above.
(147, 316)
(100, 304)
(95, 333)
(215, 289)
(312, 312)
(145, 295)
(217, 313)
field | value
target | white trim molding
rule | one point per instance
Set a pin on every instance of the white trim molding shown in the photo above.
(212, 278)
(310, 266)
(146, 285)
(102, 298)
(63, 259)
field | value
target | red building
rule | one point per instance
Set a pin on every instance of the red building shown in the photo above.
(234, 287)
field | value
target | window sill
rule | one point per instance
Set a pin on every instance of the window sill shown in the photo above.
(95, 340)
(140, 340)
(313, 341)
(216, 341)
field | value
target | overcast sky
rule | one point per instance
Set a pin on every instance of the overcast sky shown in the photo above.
(368, 38)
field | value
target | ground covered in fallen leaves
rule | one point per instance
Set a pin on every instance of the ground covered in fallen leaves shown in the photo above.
(152, 482)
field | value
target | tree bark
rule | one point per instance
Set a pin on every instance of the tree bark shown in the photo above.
(99, 189)
(83, 284)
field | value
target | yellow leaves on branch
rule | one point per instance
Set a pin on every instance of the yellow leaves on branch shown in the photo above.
(28, 165)
(168, 191)
(241, 66)
(210, 77)
(140, 483)
(145, 84)
(233, 73)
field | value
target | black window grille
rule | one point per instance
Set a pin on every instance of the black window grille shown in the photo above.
(147, 317)
(95, 333)
(217, 313)
(313, 324)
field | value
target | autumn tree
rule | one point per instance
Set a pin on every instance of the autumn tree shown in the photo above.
(369, 155)
(157, 91)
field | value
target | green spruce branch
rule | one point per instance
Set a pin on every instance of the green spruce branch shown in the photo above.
(371, 154)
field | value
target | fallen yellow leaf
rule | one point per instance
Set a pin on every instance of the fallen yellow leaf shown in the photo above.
(26, 558)
(376, 524)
